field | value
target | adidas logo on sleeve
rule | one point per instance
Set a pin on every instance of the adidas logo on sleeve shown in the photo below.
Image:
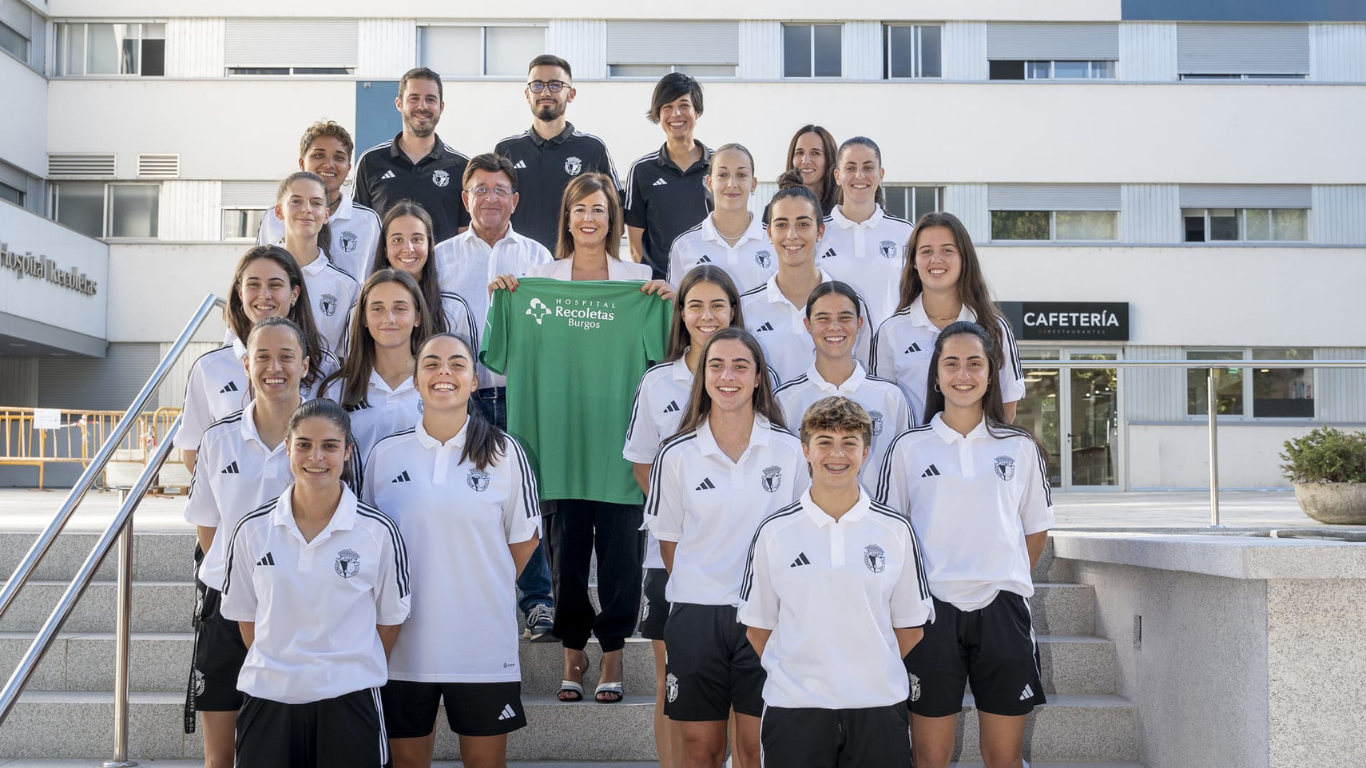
(231, 387)
(672, 407)
(764, 328)
(801, 560)
(911, 349)
(704, 260)
(402, 478)
(932, 471)
(269, 559)
(231, 469)
(706, 484)
(829, 253)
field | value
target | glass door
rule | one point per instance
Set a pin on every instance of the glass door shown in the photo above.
(1040, 411)
(1093, 423)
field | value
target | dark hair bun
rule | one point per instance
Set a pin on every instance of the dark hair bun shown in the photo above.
(790, 179)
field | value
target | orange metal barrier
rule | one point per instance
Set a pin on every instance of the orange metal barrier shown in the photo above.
(78, 436)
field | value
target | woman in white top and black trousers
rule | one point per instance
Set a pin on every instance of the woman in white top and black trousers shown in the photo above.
(462, 493)
(731, 464)
(242, 464)
(834, 599)
(976, 491)
(318, 583)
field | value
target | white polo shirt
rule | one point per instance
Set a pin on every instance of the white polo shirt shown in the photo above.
(655, 413)
(711, 505)
(780, 327)
(972, 501)
(234, 474)
(384, 412)
(315, 603)
(467, 265)
(216, 387)
(868, 255)
(332, 292)
(458, 522)
(881, 399)
(904, 344)
(832, 591)
(616, 270)
(750, 263)
(355, 235)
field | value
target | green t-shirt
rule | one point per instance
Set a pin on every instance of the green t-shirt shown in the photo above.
(573, 353)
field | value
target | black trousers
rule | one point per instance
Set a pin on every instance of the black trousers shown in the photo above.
(575, 529)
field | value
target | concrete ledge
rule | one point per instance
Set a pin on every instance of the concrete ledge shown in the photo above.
(1233, 556)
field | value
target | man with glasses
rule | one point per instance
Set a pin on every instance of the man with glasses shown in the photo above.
(467, 263)
(551, 153)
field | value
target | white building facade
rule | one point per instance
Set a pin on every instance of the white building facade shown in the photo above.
(1197, 177)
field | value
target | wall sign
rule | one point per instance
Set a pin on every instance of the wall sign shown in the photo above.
(43, 268)
(1068, 320)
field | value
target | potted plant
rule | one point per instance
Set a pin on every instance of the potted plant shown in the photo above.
(1328, 468)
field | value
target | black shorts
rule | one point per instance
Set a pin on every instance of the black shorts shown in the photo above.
(218, 656)
(655, 609)
(992, 649)
(472, 709)
(345, 732)
(711, 667)
(850, 738)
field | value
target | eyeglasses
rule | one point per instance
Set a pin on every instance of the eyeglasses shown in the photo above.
(554, 86)
(486, 191)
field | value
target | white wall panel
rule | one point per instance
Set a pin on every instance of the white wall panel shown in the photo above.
(1147, 52)
(194, 269)
(1339, 215)
(861, 48)
(761, 50)
(763, 192)
(965, 50)
(25, 96)
(583, 43)
(1337, 53)
(1341, 392)
(969, 203)
(189, 211)
(387, 48)
(1150, 214)
(1154, 394)
(195, 47)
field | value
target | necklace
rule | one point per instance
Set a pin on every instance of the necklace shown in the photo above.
(730, 239)
(942, 319)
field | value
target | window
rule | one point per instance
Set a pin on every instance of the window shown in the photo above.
(284, 71)
(12, 194)
(1275, 393)
(241, 223)
(1226, 78)
(480, 51)
(655, 71)
(14, 184)
(911, 203)
(652, 49)
(99, 209)
(14, 41)
(1055, 225)
(911, 51)
(812, 50)
(1051, 70)
(1210, 225)
(1242, 51)
(111, 49)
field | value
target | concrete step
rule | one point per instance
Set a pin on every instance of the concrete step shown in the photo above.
(167, 606)
(80, 725)
(161, 662)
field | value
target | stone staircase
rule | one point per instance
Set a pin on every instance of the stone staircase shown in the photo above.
(66, 712)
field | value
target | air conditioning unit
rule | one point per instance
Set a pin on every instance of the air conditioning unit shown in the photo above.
(80, 165)
(158, 166)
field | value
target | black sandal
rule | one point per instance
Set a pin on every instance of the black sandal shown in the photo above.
(571, 691)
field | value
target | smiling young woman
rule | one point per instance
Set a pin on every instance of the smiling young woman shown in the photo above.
(302, 205)
(732, 238)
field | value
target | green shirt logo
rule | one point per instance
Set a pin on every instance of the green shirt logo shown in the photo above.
(538, 310)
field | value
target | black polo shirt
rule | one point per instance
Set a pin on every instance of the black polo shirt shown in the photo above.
(544, 168)
(384, 175)
(665, 201)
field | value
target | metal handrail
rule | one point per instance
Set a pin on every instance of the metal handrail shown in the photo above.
(1212, 395)
(121, 527)
(24, 571)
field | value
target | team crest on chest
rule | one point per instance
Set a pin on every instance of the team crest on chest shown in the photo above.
(763, 259)
(441, 178)
(328, 304)
(348, 563)
(772, 479)
(888, 249)
(572, 166)
(477, 479)
(875, 558)
(1005, 467)
(348, 241)
(876, 416)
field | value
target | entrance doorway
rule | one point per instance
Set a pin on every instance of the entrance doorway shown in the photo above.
(1075, 413)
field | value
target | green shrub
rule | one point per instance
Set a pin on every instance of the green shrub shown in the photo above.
(1325, 455)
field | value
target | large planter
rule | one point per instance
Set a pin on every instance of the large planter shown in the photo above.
(1333, 503)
